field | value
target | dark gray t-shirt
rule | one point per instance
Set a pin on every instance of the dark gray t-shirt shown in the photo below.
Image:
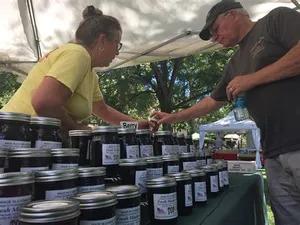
(275, 107)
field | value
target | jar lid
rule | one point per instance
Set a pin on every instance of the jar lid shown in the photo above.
(20, 153)
(94, 200)
(180, 176)
(105, 129)
(41, 212)
(186, 155)
(195, 173)
(15, 178)
(3, 152)
(14, 116)
(143, 131)
(161, 182)
(56, 175)
(56, 152)
(91, 171)
(162, 133)
(132, 162)
(80, 133)
(153, 159)
(180, 135)
(45, 121)
(209, 168)
(126, 131)
(125, 191)
(167, 158)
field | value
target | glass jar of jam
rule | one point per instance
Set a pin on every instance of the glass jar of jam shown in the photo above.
(14, 130)
(81, 139)
(128, 207)
(170, 164)
(56, 184)
(181, 143)
(199, 186)
(187, 161)
(175, 143)
(106, 149)
(128, 143)
(55, 212)
(208, 157)
(91, 179)
(97, 208)
(190, 144)
(154, 167)
(16, 190)
(225, 174)
(145, 142)
(3, 155)
(200, 158)
(212, 180)
(163, 143)
(134, 172)
(162, 198)
(64, 158)
(45, 132)
(184, 192)
(28, 160)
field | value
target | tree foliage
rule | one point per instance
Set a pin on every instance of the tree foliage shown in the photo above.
(8, 86)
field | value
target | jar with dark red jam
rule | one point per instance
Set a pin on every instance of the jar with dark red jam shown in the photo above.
(128, 143)
(187, 161)
(163, 143)
(190, 144)
(14, 130)
(16, 190)
(65, 158)
(134, 172)
(56, 184)
(91, 179)
(55, 212)
(154, 167)
(212, 180)
(184, 192)
(81, 139)
(170, 164)
(181, 143)
(128, 208)
(106, 149)
(28, 160)
(199, 187)
(97, 208)
(145, 142)
(162, 198)
(3, 155)
(45, 132)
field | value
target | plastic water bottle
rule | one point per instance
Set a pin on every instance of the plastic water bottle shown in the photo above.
(240, 111)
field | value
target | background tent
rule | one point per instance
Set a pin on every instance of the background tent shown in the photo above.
(153, 30)
(228, 124)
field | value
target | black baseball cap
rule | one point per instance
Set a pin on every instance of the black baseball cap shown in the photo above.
(214, 12)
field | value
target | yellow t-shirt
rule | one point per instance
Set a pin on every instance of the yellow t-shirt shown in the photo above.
(71, 65)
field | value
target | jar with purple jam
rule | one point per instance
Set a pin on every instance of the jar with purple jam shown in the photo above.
(199, 187)
(187, 161)
(145, 142)
(190, 144)
(181, 143)
(3, 155)
(55, 212)
(163, 143)
(128, 143)
(65, 158)
(154, 167)
(170, 164)
(212, 180)
(175, 143)
(91, 179)
(81, 139)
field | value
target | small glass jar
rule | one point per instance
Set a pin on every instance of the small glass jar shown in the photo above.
(16, 190)
(55, 212)
(181, 143)
(128, 143)
(184, 192)
(128, 207)
(81, 139)
(3, 155)
(212, 180)
(200, 158)
(97, 208)
(162, 198)
(187, 161)
(219, 166)
(175, 143)
(91, 179)
(190, 144)
(225, 174)
(64, 158)
(45, 132)
(28, 160)
(154, 167)
(199, 187)
(14, 130)
(170, 164)
(145, 142)
(163, 143)
(56, 184)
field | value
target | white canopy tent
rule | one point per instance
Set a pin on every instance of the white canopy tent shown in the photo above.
(228, 124)
(153, 30)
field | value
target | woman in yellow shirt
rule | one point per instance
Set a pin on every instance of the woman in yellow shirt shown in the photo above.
(63, 84)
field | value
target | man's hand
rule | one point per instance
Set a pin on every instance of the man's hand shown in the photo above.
(162, 117)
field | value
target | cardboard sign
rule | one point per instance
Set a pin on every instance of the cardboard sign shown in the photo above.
(129, 124)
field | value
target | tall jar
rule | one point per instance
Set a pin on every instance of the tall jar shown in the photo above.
(163, 143)
(212, 180)
(187, 161)
(199, 187)
(64, 158)
(154, 167)
(128, 143)
(145, 142)
(81, 139)
(91, 179)
(181, 143)
(170, 164)
(190, 144)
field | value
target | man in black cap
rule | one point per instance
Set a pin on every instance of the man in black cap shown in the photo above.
(266, 70)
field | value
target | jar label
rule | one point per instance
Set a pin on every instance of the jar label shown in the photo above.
(208, 161)
(10, 208)
(154, 173)
(61, 194)
(182, 148)
(47, 144)
(225, 177)
(132, 151)
(214, 184)
(173, 169)
(11, 144)
(201, 162)
(32, 169)
(188, 195)
(110, 154)
(167, 150)
(91, 188)
(200, 192)
(189, 165)
(146, 150)
(192, 148)
(110, 221)
(129, 216)
(62, 166)
(165, 206)
(175, 149)
(221, 180)
(140, 180)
